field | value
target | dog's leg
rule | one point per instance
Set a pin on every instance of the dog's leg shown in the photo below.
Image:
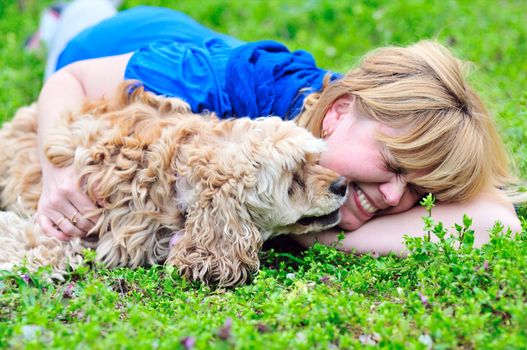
(22, 242)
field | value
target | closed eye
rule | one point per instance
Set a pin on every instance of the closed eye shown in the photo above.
(296, 182)
(397, 170)
(299, 180)
(391, 165)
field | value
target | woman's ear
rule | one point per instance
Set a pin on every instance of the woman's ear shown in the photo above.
(336, 111)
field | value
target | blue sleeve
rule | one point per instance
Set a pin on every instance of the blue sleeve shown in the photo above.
(194, 73)
(265, 78)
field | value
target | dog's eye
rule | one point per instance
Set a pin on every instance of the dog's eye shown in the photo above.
(296, 182)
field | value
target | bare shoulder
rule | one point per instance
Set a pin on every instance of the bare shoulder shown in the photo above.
(99, 76)
(485, 210)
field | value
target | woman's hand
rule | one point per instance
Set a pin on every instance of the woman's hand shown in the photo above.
(63, 207)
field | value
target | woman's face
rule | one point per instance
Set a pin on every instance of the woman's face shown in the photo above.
(376, 185)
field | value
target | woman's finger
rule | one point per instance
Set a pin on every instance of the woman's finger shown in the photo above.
(49, 229)
(64, 225)
(78, 220)
(84, 206)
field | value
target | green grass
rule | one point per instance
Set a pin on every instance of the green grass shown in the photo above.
(439, 297)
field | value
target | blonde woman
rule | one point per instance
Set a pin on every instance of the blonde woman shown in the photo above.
(402, 124)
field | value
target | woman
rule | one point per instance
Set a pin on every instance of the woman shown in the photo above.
(402, 124)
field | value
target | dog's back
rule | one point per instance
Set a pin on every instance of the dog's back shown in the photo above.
(20, 171)
(112, 144)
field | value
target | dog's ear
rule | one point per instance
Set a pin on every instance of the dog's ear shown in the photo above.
(220, 244)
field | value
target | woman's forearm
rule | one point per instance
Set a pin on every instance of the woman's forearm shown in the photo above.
(61, 93)
(385, 234)
(359, 242)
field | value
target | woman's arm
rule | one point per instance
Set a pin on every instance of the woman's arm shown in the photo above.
(384, 234)
(64, 91)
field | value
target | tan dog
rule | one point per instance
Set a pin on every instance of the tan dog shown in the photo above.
(156, 169)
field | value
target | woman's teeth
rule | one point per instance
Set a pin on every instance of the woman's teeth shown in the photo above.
(364, 202)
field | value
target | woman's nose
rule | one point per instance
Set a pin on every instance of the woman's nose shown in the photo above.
(392, 192)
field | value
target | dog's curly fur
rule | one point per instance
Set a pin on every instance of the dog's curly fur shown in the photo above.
(155, 169)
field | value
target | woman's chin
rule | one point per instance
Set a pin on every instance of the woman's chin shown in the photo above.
(351, 223)
(352, 217)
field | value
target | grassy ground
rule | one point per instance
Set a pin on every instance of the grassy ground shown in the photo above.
(437, 298)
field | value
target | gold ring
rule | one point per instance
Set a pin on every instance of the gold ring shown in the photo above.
(73, 218)
(61, 220)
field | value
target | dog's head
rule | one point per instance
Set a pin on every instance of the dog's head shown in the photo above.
(250, 180)
(291, 193)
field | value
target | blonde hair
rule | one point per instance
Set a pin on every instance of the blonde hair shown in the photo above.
(422, 88)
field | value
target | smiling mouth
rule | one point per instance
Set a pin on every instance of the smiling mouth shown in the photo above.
(328, 220)
(363, 203)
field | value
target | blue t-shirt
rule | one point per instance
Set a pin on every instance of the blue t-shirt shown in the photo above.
(176, 56)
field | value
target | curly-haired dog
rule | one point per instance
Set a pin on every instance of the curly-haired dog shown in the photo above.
(156, 169)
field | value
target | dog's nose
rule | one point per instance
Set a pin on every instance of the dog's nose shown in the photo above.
(339, 187)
